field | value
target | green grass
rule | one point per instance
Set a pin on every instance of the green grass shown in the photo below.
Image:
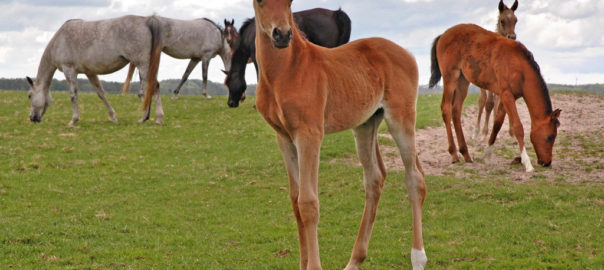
(207, 190)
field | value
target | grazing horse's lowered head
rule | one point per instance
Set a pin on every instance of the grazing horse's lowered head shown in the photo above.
(506, 23)
(40, 100)
(276, 25)
(543, 136)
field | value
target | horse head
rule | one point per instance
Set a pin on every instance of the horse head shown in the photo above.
(236, 85)
(543, 136)
(40, 100)
(230, 33)
(506, 23)
(274, 19)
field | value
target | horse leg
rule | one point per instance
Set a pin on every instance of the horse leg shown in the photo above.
(490, 104)
(402, 129)
(449, 85)
(509, 102)
(482, 99)
(374, 174)
(460, 95)
(204, 67)
(94, 80)
(308, 145)
(159, 110)
(142, 74)
(72, 78)
(131, 68)
(497, 123)
(192, 64)
(290, 156)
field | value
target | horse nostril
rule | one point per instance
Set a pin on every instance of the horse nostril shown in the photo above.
(289, 34)
(277, 34)
(513, 37)
(547, 164)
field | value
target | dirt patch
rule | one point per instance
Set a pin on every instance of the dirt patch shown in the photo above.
(578, 152)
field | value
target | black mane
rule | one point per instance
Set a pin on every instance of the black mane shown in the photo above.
(542, 85)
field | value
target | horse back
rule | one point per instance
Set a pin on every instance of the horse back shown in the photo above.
(484, 58)
(99, 47)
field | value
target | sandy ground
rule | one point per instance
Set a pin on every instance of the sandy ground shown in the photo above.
(576, 159)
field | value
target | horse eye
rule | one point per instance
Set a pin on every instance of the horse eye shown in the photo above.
(29, 95)
(550, 138)
(502, 22)
(259, 1)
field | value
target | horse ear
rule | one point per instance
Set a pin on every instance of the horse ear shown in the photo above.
(515, 5)
(30, 82)
(502, 6)
(226, 22)
(554, 117)
(556, 114)
(233, 22)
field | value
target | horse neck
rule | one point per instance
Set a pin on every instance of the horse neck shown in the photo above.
(225, 54)
(45, 72)
(537, 100)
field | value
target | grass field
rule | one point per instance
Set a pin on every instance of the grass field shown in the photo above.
(208, 190)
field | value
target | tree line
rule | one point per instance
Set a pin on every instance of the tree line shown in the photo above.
(191, 87)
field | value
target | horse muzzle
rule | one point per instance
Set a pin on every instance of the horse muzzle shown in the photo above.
(544, 164)
(36, 118)
(281, 39)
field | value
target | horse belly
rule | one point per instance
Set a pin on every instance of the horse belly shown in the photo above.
(349, 113)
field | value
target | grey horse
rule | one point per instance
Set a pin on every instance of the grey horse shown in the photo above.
(198, 40)
(92, 48)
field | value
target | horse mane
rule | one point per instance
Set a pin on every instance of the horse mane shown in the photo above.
(542, 85)
(220, 28)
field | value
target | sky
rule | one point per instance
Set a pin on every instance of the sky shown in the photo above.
(566, 37)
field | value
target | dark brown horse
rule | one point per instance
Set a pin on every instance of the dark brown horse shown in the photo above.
(506, 26)
(467, 53)
(327, 28)
(230, 33)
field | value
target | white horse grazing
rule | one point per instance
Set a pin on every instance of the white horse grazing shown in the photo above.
(198, 40)
(92, 48)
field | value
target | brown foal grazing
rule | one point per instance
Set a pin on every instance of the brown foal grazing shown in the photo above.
(306, 91)
(467, 53)
(506, 25)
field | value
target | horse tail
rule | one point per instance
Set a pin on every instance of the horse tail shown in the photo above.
(156, 48)
(126, 85)
(435, 77)
(344, 26)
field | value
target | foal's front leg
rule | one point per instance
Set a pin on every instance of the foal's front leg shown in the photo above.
(308, 146)
(509, 102)
(290, 156)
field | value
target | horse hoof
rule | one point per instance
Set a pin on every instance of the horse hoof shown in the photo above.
(174, 97)
(517, 160)
(208, 97)
(159, 121)
(142, 120)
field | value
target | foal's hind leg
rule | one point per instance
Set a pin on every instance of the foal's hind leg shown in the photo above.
(402, 128)
(482, 100)
(192, 64)
(460, 95)
(374, 174)
(490, 104)
(94, 80)
(449, 85)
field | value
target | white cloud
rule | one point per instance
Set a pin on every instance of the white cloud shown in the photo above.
(566, 37)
